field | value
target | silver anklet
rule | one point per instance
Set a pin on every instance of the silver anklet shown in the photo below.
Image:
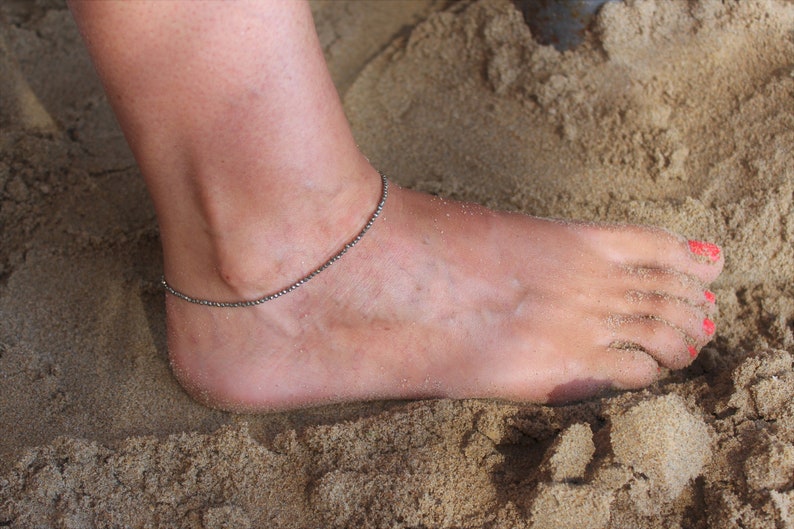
(269, 297)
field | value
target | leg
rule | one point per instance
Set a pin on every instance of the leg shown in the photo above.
(256, 180)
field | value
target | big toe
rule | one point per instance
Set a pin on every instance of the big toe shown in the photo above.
(639, 246)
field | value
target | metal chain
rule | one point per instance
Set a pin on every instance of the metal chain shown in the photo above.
(302, 281)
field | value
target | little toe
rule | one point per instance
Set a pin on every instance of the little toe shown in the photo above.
(630, 368)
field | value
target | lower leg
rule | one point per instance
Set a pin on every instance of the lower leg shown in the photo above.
(256, 180)
(236, 126)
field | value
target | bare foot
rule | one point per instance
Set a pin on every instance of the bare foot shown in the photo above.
(444, 299)
(254, 174)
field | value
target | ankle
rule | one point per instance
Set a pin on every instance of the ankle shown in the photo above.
(237, 254)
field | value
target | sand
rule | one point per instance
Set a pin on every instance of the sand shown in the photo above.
(675, 113)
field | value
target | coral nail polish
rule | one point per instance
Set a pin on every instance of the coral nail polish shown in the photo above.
(710, 297)
(709, 327)
(706, 249)
(692, 352)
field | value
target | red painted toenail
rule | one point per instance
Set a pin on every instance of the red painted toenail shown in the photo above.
(709, 327)
(710, 297)
(692, 352)
(706, 249)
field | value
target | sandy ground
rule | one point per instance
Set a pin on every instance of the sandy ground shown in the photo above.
(676, 113)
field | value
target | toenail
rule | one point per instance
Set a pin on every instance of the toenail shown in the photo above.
(706, 249)
(709, 327)
(710, 297)
(692, 352)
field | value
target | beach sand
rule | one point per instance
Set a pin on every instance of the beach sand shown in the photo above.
(674, 113)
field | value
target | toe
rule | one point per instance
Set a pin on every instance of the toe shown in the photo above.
(658, 248)
(668, 283)
(630, 368)
(665, 343)
(690, 320)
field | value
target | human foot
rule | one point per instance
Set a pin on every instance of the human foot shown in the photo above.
(445, 299)
(254, 172)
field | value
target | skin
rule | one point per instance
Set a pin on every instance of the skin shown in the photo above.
(256, 179)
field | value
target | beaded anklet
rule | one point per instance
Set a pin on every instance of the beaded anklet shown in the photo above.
(293, 286)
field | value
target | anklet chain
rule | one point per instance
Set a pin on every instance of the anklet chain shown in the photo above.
(269, 297)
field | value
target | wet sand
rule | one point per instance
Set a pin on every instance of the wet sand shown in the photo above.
(673, 113)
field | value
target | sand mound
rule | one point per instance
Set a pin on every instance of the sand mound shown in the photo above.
(675, 113)
(663, 442)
